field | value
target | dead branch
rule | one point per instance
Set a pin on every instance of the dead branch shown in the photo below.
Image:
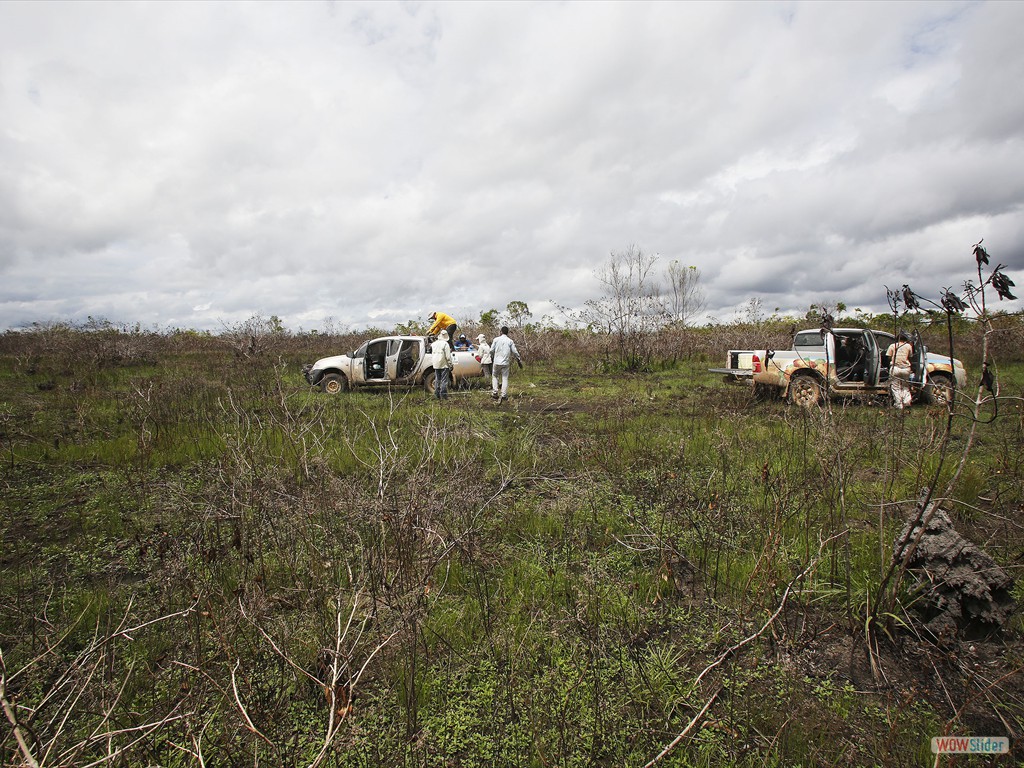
(12, 717)
(241, 707)
(728, 652)
(686, 731)
(343, 647)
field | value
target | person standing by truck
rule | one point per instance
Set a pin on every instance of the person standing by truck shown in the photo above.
(485, 354)
(444, 361)
(899, 353)
(503, 350)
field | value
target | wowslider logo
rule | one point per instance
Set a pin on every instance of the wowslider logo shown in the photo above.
(970, 745)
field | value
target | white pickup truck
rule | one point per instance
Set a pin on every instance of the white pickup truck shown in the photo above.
(388, 360)
(841, 362)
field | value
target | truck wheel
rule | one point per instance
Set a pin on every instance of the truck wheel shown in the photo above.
(333, 383)
(805, 391)
(430, 382)
(940, 389)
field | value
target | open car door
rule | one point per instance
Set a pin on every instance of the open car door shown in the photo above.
(403, 358)
(359, 364)
(918, 361)
(872, 359)
(375, 362)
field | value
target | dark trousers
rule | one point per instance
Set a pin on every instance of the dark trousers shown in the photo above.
(441, 383)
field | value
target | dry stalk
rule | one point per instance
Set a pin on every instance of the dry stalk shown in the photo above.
(241, 706)
(12, 717)
(976, 300)
(65, 694)
(342, 681)
(686, 731)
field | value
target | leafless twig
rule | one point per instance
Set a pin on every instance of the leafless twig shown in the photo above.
(728, 652)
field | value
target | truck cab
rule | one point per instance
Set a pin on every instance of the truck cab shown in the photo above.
(391, 359)
(856, 358)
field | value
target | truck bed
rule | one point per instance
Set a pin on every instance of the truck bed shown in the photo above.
(739, 366)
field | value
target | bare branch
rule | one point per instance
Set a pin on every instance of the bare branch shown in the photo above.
(241, 707)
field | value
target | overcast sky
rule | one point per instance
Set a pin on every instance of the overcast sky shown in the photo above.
(190, 164)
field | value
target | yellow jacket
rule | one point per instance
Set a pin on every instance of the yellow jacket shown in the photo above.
(442, 322)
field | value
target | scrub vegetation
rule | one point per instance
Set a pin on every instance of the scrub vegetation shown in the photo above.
(206, 563)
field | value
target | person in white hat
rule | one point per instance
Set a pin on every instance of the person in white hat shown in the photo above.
(444, 361)
(484, 352)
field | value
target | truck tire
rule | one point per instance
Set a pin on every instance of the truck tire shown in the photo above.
(940, 389)
(430, 382)
(334, 383)
(805, 391)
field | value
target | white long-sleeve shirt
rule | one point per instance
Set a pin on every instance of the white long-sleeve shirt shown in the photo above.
(442, 353)
(503, 349)
(485, 352)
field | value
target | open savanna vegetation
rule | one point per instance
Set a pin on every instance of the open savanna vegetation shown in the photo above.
(206, 563)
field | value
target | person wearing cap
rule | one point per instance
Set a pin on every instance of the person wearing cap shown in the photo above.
(463, 343)
(484, 350)
(442, 322)
(444, 361)
(503, 350)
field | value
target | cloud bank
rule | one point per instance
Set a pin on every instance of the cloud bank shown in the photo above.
(190, 164)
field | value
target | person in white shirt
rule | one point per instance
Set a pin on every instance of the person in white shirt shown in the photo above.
(503, 351)
(899, 353)
(444, 361)
(485, 353)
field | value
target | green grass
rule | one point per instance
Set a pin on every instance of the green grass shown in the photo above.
(533, 584)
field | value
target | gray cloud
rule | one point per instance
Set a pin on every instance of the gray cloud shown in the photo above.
(189, 164)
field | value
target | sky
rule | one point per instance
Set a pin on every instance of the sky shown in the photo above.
(361, 164)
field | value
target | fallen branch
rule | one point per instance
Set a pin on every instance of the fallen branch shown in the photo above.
(771, 619)
(745, 641)
(686, 731)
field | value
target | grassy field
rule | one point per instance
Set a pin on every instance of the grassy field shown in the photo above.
(206, 563)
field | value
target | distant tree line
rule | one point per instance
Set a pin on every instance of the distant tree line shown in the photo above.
(646, 316)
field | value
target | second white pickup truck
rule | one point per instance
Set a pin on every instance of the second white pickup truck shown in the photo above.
(841, 362)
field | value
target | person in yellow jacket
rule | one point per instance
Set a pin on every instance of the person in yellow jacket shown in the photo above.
(442, 322)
